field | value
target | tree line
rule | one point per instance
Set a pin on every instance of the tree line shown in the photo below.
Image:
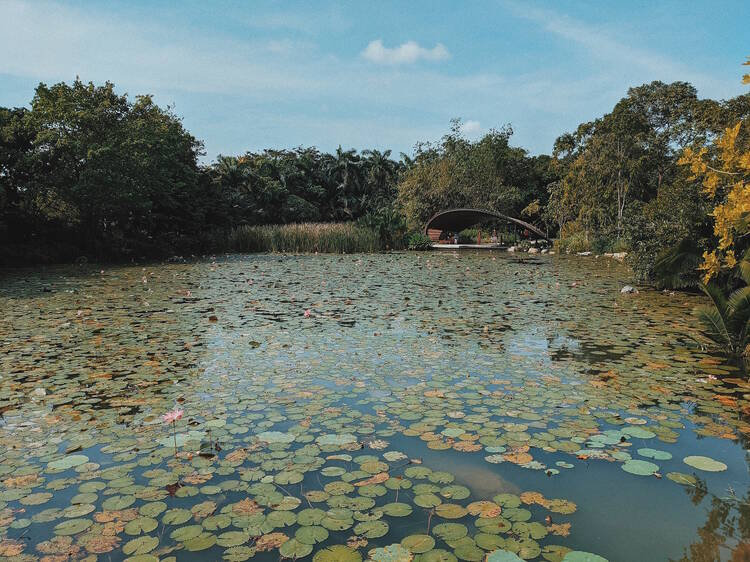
(85, 171)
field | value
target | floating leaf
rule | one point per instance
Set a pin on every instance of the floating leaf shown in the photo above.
(337, 553)
(640, 468)
(502, 556)
(706, 464)
(68, 462)
(578, 556)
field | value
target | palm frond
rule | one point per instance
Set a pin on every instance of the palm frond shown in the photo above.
(716, 295)
(714, 327)
(674, 267)
(739, 301)
(744, 268)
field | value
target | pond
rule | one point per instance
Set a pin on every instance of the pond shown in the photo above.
(428, 407)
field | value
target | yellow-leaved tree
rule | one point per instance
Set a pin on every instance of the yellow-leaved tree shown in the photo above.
(724, 170)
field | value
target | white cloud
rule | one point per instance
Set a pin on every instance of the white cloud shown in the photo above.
(471, 128)
(407, 53)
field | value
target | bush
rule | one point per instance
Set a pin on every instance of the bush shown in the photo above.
(419, 242)
(333, 238)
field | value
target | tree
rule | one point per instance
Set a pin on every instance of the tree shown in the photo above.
(723, 170)
(117, 174)
(488, 173)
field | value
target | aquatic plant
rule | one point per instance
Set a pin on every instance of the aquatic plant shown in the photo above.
(172, 417)
(332, 238)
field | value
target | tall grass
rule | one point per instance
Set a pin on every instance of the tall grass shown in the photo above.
(333, 238)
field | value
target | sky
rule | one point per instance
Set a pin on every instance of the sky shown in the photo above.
(248, 75)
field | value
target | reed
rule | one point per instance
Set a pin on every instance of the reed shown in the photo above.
(332, 238)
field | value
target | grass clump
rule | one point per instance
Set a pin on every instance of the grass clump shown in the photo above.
(332, 238)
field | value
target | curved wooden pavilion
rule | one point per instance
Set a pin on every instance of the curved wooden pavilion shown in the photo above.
(456, 220)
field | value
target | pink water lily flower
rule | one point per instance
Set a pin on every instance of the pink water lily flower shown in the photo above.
(307, 313)
(173, 416)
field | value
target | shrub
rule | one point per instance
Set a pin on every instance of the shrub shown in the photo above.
(334, 238)
(419, 242)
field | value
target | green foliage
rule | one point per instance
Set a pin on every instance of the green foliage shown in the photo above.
(102, 173)
(572, 239)
(389, 224)
(726, 320)
(336, 238)
(419, 242)
(89, 172)
(486, 174)
(677, 267)
(621, 183)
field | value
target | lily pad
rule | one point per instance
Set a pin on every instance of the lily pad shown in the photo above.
(418, 543)
(337, 553)
(503, 556)
(390, 553)
(72, 527)
(295, 549)
(639, 467)
(69, 461)
(579, 556)
(706, 464)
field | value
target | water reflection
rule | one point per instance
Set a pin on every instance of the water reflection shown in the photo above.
(725, 535)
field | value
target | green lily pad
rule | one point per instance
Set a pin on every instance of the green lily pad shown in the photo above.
(706, 464)
(276, 437)
(311, 535)
(188, 532)
(418, 543)
(176, 516)
(450, 531)
(337, 553)
(655, 454)
(141, 545)
(232, 538)
(503, 556)
(72, 527)
(338, 440)
(371, 529)
(390, 553)
(117, 503)
(141, 525)
(427, 500)
(639, 467)
(579, 556)
(68, 462)
(201, 542)
(295, 549)
(397, 509)
(682, 478)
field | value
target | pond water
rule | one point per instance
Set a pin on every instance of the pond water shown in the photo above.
(427, 407)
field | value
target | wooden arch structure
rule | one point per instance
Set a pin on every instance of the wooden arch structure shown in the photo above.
(456, 220)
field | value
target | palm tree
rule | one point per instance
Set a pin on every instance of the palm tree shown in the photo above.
(726, 321)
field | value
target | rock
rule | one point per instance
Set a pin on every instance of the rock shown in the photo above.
(584, 253)
(551, 252)
(628, 290)
(533, 250)
(512, 249)
(619, 255)
(40, 392)
(545, 251)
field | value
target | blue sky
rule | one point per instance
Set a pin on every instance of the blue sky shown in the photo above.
(245, 75)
